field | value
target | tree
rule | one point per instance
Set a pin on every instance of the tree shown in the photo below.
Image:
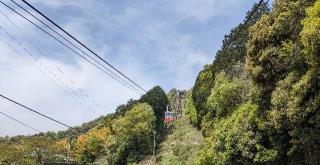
(233, 50)
(122, 109)
(201, 91)
(224, 96)
(12, 154)
(171, 97)
(295, 100)
(273, 48)
(231, 55)
(158, 100)
(90, 146)
(39, 149)
(190, 108)
(133, 135)
(282, 60)
(233, 140)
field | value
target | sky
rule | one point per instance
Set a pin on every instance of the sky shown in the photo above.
(154, 42)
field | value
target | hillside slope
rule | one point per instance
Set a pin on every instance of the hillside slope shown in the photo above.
(180, 146)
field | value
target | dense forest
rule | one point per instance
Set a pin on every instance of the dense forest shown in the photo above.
(259, 101)
(123, 137)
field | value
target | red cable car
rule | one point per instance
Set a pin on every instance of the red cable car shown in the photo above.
(169, 116)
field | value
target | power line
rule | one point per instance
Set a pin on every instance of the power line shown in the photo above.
(63, 86)
(65, 39)
(37, 68)
(68, 47)
(16, 120)
(254, 10)
(246, 22)
(39, 12)
(57, 67)
(34, 111)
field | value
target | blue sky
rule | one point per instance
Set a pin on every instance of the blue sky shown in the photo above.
(155, 42)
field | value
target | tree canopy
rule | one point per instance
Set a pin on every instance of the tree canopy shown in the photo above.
(261, 105)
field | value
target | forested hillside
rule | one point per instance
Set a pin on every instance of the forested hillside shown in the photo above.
(125, 136)
(259, 101)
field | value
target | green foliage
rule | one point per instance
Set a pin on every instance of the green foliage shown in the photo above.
(273, 49)
(171, 97)
(123, 137)
(122, 109)
(33, 150)
(285, 66)
(130, 131)
(278, 118)
(233, 140)
(233, 50)
(132, 138)
(227, 59)
(93, 148)
(310, 35)
(12, 154)
(89, 146)
(158, 100)
(294, 116)
(225, 96)
(190, 108)
(76, 131)
(201, 91)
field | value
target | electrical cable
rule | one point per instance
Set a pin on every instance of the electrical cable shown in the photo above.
(63, 86)
(68, 47)
(16, 120)
(51, 21)
(65, 39)
(34, 111)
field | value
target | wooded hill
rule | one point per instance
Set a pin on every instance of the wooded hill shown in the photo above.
(259, 101)
(125, 136)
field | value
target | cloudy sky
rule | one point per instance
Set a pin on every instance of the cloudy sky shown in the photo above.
(154, 42)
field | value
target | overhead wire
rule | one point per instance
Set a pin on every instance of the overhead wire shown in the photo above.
(57, 67)
(68, 47)
(79, 48)
(65, 39)
(20, 122)
(51, 21)
(34, 111)
(59, 83)
(251, 14)
(231, 40)
(82, 44)
(38, 113)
